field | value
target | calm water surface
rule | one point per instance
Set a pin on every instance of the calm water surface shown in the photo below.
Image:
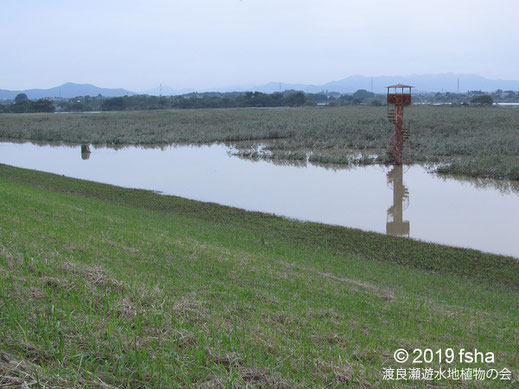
(409, 201)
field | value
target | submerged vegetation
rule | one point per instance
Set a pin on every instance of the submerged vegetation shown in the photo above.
(110, 287)
(481, 142)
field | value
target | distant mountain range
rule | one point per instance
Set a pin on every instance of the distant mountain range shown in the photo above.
(166, 91)
(447, 82)
(67, 90)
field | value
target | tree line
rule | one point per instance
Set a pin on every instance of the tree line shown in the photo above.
(194, 101)
(289, 98)
(22, 104)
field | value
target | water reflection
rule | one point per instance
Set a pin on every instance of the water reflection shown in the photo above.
(480, 214)
(503, 186)
(395, 224)
(85, 151)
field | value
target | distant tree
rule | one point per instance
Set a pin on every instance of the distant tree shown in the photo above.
(113, 104)
(21, 107)
(277, 98)
(163, 102)
(20, 97)
(42, 105)
(347, 98)
(77, 106)
(318, 97)
(295, 99)
(483, 100)
(363, 94)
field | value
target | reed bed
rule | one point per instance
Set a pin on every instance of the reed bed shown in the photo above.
(480, 142)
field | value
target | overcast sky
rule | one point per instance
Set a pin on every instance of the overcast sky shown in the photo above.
(214, 43)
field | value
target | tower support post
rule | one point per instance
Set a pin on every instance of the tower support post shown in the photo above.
(399, 136)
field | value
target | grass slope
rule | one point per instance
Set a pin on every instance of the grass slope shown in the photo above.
(110, 287)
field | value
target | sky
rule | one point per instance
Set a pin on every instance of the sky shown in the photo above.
(205, 44)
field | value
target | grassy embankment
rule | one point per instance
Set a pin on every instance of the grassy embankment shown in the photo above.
(105, 286)
(479, 142)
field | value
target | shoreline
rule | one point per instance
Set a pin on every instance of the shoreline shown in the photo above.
(107, 286)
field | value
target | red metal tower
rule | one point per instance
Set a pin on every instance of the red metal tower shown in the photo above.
(398, 96)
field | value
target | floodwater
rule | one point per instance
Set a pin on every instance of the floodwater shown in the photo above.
(407, 201)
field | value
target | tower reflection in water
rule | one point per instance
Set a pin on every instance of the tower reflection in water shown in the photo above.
(395, 224)
(85, 151)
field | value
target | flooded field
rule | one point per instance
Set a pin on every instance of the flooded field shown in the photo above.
(408, 201)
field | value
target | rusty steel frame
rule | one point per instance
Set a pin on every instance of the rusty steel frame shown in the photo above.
(399, 100)
(399, 137)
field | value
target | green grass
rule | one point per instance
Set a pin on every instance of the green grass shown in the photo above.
(479, 142)
(105, 286)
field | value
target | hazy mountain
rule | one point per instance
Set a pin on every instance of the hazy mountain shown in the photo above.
(67, 90)
(447, 82)
(272, 87)
(166, 91)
